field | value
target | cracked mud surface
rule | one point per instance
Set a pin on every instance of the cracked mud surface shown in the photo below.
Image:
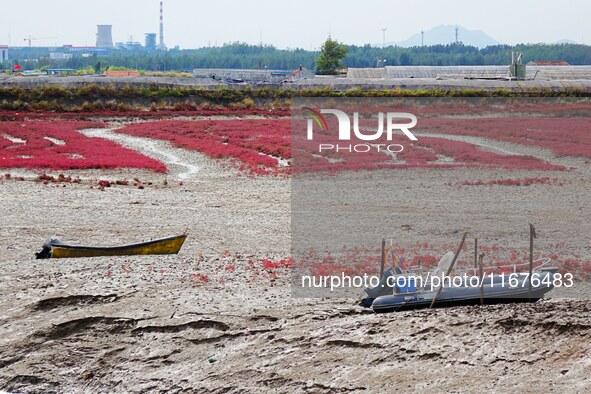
(148, 324)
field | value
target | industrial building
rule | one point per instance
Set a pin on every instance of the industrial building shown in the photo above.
(104, 37)
(104, 43)
(58, 71)
(3, 53)
(532, 72)
(129, 46)
(254, 77)
(60, 56)
(84, 50)
(150, 41)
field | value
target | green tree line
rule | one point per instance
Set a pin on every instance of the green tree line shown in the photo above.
(245, 56)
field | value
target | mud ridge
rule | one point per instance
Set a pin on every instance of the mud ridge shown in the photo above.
(110, 325)
(79, 300)
(194, 325)
(352, 344)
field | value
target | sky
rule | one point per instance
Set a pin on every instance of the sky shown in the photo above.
(289, 24)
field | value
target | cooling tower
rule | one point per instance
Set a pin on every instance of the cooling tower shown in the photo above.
(104, 37)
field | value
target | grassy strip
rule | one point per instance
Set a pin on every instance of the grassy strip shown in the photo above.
(229, 94)
(98, 97)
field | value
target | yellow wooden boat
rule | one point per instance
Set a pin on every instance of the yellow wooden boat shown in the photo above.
(55, 249)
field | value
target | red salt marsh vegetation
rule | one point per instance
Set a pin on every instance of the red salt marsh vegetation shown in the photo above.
(263, 146)
(424, 256)
(427, 152)
(472, 156)
(254, 145)
(563, 136)
(58, 145)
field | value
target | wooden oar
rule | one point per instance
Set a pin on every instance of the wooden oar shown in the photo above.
(451, 266)
(532, 235)
(481, 279)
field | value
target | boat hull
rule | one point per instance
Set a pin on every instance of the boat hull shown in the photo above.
(170, 245)
(462, 296)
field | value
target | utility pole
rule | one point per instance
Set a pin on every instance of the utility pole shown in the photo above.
(457, 35)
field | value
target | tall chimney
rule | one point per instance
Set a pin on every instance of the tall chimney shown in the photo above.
(162, 46)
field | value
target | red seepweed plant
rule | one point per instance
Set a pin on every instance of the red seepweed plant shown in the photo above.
(58, 145)
(253, 145)
(563, 136)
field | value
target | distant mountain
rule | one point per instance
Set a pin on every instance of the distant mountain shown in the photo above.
(446, 34)
(566, 41)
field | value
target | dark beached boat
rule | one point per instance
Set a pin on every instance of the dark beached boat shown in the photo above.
(53, 248)
(493, 289)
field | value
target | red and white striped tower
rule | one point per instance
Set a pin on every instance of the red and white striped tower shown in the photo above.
(162, 45)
